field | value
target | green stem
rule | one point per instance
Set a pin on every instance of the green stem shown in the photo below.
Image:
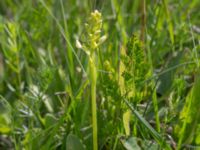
(155, 104)
(143, 20)
(93, 79)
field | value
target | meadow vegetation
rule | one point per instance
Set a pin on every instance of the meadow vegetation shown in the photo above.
(99, 74)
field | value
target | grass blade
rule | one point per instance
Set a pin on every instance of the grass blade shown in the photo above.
(190, 116)
(153, 132)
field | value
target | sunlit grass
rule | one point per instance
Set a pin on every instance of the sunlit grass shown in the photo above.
(99, 74)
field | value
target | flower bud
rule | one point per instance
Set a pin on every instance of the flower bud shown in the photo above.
(78, 44)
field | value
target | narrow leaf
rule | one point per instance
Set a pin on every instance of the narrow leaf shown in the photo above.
(190, 115)
(153, 132)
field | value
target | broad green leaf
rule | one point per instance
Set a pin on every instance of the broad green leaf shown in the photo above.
(73, 143)
(131, 144)
(166, 79)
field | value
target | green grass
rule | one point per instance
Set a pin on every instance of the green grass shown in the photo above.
(125, 77)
